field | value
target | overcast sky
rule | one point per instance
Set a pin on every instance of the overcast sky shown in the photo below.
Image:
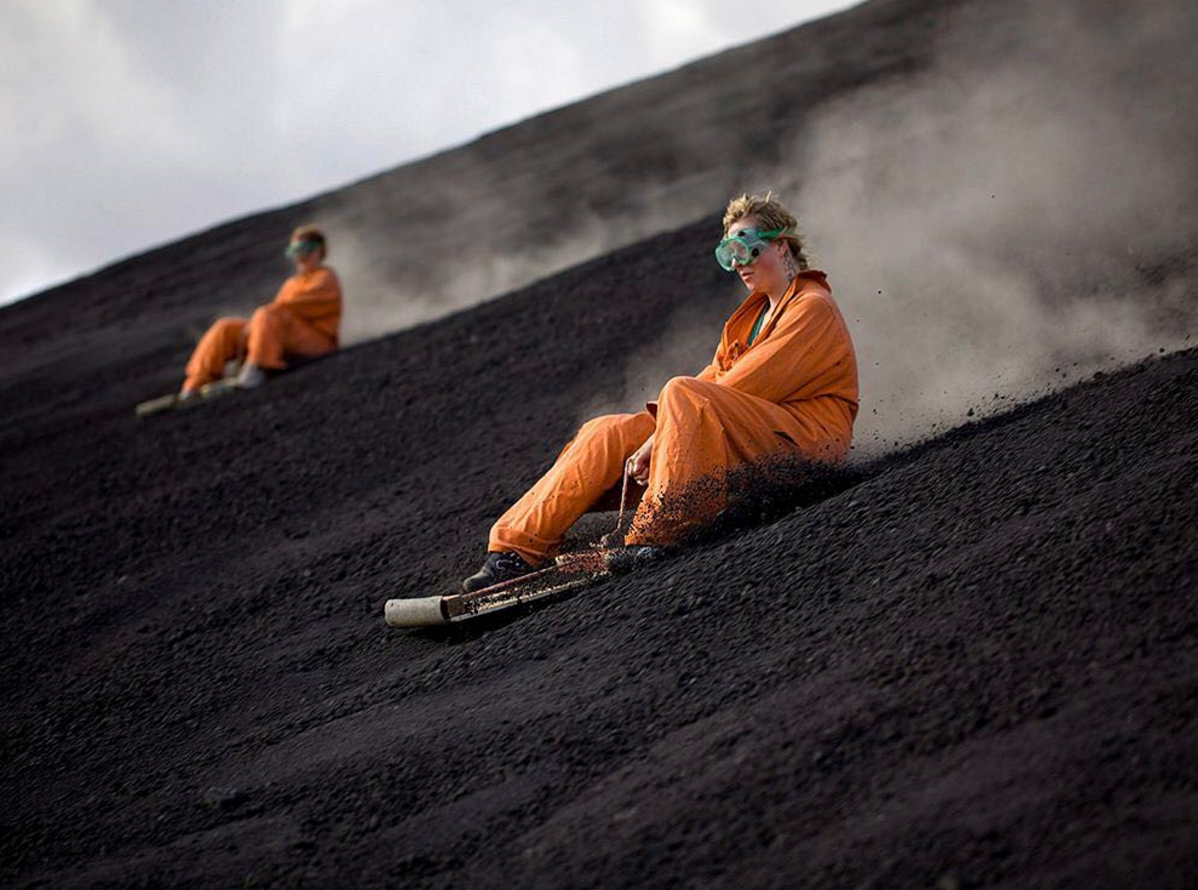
(128, 123)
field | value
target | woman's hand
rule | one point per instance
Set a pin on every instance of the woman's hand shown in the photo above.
(638, 464)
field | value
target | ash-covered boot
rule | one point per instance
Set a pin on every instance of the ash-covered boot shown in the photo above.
(498, 568)
(251, 376)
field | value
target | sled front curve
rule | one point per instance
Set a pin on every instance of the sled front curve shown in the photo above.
(425, 611)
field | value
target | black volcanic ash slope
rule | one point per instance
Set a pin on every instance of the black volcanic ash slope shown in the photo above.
(975, 668)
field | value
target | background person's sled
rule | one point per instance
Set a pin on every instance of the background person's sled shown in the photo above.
(213, 390)
(172, 402)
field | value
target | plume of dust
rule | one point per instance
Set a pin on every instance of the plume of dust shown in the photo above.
(1008, 220)
(1010, 227)
(998, 226)
(381, 296)
(413, 272)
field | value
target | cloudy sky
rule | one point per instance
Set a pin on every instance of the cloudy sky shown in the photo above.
(127, 123)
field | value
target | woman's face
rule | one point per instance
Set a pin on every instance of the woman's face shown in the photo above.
(768, 272)
(304, 262)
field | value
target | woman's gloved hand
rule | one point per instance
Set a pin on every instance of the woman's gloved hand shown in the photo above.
(638, 465)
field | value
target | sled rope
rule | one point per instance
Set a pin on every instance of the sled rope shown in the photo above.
(613, 539)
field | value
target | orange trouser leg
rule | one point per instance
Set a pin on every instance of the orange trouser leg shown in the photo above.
(585, 470)
(275, 332)
(223, 341)
(703, 431)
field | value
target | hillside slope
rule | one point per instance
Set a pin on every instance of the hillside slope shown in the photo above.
(971, 666)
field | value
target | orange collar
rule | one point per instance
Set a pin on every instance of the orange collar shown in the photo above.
(751, 307)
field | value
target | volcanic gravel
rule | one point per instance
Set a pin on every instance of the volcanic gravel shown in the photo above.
(972, 664)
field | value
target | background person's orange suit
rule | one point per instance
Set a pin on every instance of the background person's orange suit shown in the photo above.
(301, 322)
(793, 392)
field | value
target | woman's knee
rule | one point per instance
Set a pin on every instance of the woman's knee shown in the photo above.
(684, 393)
(617, 427)
(228, 325)
(223, 334)
(267, 318)
(265, 313)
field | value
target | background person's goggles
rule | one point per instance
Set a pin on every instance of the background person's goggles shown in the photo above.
(743, 248)
(301, 248)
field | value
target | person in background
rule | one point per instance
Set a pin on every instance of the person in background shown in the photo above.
(782, 384)
(302, 322)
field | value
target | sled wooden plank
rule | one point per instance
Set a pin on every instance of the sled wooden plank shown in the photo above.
(471, 605)
(430, 611)
(156, 406)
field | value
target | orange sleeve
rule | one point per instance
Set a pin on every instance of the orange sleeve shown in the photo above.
(806, 341)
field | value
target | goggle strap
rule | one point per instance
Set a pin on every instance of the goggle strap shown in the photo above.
(772, 233)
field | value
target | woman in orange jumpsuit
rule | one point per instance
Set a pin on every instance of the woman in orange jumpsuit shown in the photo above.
(782, 384)
(301, 322)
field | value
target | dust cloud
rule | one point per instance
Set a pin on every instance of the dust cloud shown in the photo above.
(997, 227)
(384, 293)
(420, 269)
(1016, 225)
(1015, 216)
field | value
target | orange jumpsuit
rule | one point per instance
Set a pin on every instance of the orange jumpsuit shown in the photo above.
(792, 392)
(301, 322)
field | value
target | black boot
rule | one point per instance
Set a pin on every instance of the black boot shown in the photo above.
(498, 568)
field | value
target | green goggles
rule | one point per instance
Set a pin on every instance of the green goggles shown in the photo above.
(743, 248)
(301, 248)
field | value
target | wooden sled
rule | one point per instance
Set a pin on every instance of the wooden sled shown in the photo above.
(171, 402)
(568, 572)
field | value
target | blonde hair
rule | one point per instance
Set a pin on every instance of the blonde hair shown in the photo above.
(312, 233)
(768, 214)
